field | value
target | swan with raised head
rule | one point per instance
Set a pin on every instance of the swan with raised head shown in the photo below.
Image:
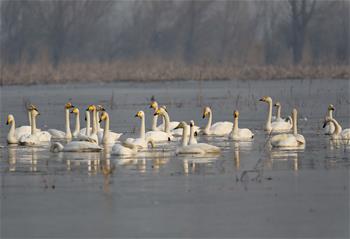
(161, 136)
(329, 128)
(192, 139)
(289, 140)
(206, 147)
(237, 133)
(276, 126)
(35, 137)
(58, 134)
(93, 133)
(217, 129)
(75, 146)
(338, 133)
(109, 137)
(161, 127)
(77, 135)
(194, 148)
(25, 129)
(278, 117)
(12, 136)
(141, 141)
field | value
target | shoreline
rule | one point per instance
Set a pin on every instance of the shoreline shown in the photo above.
(37, 74)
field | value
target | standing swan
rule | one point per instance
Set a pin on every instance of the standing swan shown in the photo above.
(329, 128)
(289, 140)
(57, 134)
(237, 133)
(338, 133)
(217, 129)
(277, 126)
(108, 136)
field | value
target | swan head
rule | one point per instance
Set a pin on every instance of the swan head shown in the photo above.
(91, 108)
(104, 116)
(140, 114)
(75, 111)
(206, 111)
(160, 111)
(191, 123)
(236, 114)
(10, 119)
(35, 112)
(266, 99)
(32, 107)
(164, 107)
(181, 125)
(277, 104)
(100, 108)
(154, 105)
(331, 107)
(68, 106)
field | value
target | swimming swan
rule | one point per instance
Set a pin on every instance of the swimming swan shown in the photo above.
(338, 133)
(161, 136)
(289, 140)
(131, 149)
(77, 134)
(195, 148)
(26, 129)
(35, 137)
(217, 129)
(237, 133)
(109, 137)
(192, 139)
(278, 117)
(75, 146)
(276, 126)
(161, 127)
(58, 134)
(329, 128)
(141, 141)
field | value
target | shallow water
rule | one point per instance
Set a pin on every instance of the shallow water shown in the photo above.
(249, 190)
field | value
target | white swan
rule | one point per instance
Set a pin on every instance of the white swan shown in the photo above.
(75, 146)
(141, 141)
(278, 117)
(237, 133)
(160, 136)
(25, 129)
(217, 129)
(289, 140)
(277, 126)
(12, 136)
(93, 133)
(192, 139)
(161, 127)
(338, 133)
(58, 134)
(329, 128)
(35, 137)
(195, 148)
(109, 137)
(77, 134)
(121, 150)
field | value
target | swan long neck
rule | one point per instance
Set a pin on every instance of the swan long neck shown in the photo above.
(98, 121)
(33, 126)
(210, 117)
(77, 123)
(154, 122)
(278, 114)
(295, 123)
(68, 132)
(106, 131)
(87, 114)
(337, 127)
(12, 129)
(269, 116)
(94, 123)
(330, 114)
(29, 118)
(142, 128)
(167, 122)
(185, 136)
(235, 124)
(191, 133)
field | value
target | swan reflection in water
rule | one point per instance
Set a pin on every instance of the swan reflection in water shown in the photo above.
(196, 163)
(239, 146)
(20, 156)
(283, 159)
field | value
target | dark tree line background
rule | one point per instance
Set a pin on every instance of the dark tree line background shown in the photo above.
(285, 32)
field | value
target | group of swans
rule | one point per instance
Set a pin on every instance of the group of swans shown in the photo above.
(90, 138)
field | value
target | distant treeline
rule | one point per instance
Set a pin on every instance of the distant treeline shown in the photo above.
(305, 34)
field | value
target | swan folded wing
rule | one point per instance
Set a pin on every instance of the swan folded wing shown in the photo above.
(83, 137)
(242, 134)
(189, 149)
(287, 140)
(221, 128)
(81, 146)
(172, 125)
(23, 130)
(119, 149)
(281, 126)
(138, 142)
(57, 134)
(207, 148)
(157, 136)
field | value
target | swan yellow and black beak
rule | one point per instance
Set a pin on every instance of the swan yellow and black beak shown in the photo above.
(331, 107)
(69, 105)
(138, 114)
(91, 108)
(157, 112)
(236, 113)
(153, 105)
(103, 117)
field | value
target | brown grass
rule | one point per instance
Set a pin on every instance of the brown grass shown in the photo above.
(143, 70)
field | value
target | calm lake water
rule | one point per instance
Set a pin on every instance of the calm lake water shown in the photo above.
(249, 190)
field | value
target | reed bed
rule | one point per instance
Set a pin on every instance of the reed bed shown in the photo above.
(43, 73)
